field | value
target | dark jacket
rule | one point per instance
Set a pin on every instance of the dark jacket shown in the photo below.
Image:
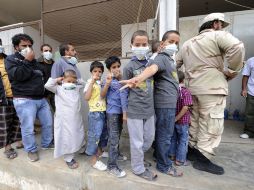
(3, 100)
(46, 68)
(27, 79)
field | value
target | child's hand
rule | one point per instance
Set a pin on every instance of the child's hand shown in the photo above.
(95, 78)
(124, 117)
(109, 78)
(59, 80)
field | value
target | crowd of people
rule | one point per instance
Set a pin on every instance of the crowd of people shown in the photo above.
(180, 113)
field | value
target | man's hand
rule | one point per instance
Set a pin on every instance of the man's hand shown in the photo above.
(124, 117)
(30, 55)
(244, 93)
(229, 76)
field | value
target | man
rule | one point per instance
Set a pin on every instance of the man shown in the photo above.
(45, 63)
(28, 90)
(68, 61)
(9, 123)
(248, 93)
(203, 57)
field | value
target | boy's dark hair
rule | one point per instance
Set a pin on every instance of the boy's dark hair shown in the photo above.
(138, 33)
(64, 47)
(155, 46)
(181, 76)
(18, 37)
(70, 73)
(207, 25)
(166, 34)
(44, 45)
(96, 64)
(113, 59)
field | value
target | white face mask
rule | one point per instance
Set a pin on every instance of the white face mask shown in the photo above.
(25, 51)
(1, 49)
(68, 86)
(72, 60)
(47, 55)
(170, 49)
(140, 52)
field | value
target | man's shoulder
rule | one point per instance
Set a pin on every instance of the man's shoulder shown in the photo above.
(250, 61)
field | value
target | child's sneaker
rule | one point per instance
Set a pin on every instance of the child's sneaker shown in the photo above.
(100, 166)
(121, 157)
(117, 172)
(104, 154)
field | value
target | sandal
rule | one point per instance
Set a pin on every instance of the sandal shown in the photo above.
(147, 164)
(11, 153)
(185, 163)
(148, 175)
(72, 164)
(174, 172)
(19, 146)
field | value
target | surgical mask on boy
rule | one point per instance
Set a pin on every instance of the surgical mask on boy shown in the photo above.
(1, 49)
(140, 52)
(68, 86)
(47, 55)
(25, 51)
(73, 60)
(170, 49)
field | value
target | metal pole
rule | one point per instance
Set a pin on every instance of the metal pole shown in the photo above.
(42, 24)
(168, 16)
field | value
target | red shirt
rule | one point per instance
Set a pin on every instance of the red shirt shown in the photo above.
(184, 99)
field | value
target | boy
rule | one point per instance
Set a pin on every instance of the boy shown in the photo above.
(69, 129)
(179, 141)
(140, 111)
(116, 105)
(96, 116)
(165, 93)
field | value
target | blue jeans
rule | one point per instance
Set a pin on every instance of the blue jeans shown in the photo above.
(97, 132)
(114, 124)
(165, 122)
(28, 110)
(179, 142)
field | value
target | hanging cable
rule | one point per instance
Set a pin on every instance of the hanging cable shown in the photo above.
(237, 4)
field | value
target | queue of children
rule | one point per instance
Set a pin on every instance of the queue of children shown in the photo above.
(150, 109)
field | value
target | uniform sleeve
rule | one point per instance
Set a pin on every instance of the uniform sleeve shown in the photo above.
(179, 59)
(187, 98)
(233, 49)
(247, 68)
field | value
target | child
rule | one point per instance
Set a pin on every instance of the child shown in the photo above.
(155, 49)
(179, 141)
(166, 84)
(116, 105)
(96, 117)
(140, 111)
(69, 132)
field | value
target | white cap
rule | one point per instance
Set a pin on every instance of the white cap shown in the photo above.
(215, 16)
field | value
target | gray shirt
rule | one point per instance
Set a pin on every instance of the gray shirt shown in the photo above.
(165, 82)
(61, 66)
(140, 99)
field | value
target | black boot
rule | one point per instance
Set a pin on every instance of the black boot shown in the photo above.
(191, 154)
(204, 164)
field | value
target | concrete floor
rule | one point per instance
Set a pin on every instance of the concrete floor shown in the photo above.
(234, 154)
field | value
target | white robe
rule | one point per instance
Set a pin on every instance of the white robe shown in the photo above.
(69, 133)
